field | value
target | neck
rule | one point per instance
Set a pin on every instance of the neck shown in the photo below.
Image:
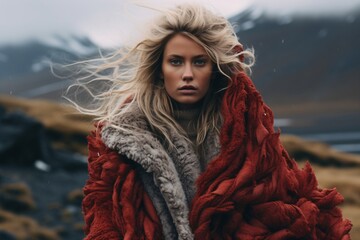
(187, 119)
(182, 106)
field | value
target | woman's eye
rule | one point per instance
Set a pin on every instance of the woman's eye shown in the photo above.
(175, 61)
(200, 62)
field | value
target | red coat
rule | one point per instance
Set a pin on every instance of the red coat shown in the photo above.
(251, 190)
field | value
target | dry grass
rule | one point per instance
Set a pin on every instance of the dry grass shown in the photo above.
(318, 152)
(58, 117)
(23, 228)
(332, 168)
(347, 182)
(62, 119)
(17, 197)
(353, 213)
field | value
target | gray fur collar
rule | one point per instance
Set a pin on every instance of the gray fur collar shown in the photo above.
(173, 173)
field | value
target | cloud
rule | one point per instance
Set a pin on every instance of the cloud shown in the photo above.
(308, 7)
(110, 22)
(22, 20)
(107, 22)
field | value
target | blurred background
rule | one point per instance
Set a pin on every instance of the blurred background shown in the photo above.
(307, 70)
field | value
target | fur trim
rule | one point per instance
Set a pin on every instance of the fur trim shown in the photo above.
(174, 172)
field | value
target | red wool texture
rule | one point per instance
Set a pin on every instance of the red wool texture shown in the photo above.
(251, 191)
(116, 205)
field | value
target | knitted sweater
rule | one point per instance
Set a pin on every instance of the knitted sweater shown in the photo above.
(187, 119)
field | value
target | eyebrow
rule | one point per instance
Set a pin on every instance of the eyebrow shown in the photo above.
(194, 57)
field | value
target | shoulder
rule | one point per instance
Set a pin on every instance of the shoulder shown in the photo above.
(131, 117)
(129, 130)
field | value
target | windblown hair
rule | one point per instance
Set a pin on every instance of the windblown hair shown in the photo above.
(133, 75)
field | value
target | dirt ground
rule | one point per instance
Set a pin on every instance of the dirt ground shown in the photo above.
(332, 169)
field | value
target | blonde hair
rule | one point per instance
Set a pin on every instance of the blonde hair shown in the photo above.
(133, 75)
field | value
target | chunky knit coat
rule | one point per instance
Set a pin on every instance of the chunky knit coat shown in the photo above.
(251, 188)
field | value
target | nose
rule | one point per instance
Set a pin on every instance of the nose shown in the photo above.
(188, 73)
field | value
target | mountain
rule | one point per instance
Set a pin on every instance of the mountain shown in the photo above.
(25, 69)
(312, 59)
(307, 70)
(303, 59)
(34, 56)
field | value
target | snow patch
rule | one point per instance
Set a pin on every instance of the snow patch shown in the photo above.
(247, 25)
(40, 65)
(255, 14)
(70, 44)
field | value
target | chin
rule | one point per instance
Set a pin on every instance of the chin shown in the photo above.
(188, 103)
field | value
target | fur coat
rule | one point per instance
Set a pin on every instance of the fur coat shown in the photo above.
(251, 188)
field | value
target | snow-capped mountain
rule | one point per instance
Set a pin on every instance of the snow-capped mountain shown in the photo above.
(35, 56)
(307, 69)
(305, 59)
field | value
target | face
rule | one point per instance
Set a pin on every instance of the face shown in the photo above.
(186, 69)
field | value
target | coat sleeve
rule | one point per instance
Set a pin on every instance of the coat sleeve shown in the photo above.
(115, 205)
(253, 189)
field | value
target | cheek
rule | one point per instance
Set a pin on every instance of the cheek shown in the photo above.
(167, 72)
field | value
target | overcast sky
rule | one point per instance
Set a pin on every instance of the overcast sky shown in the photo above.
(108, 22)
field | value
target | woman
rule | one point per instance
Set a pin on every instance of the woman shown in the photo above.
(185, 147)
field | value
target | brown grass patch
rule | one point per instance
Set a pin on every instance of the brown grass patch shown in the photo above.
(23, 228)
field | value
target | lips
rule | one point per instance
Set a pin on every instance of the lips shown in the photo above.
(187, 87)
(187, 90)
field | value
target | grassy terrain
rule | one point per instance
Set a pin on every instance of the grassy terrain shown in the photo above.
(332, 168)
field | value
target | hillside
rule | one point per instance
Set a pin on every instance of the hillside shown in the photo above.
(304, 60)
(41, 182)
(307, 70)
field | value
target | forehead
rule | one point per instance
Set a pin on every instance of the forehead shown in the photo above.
(183, 46)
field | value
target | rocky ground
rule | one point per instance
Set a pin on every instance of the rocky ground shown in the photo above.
(43, 170)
